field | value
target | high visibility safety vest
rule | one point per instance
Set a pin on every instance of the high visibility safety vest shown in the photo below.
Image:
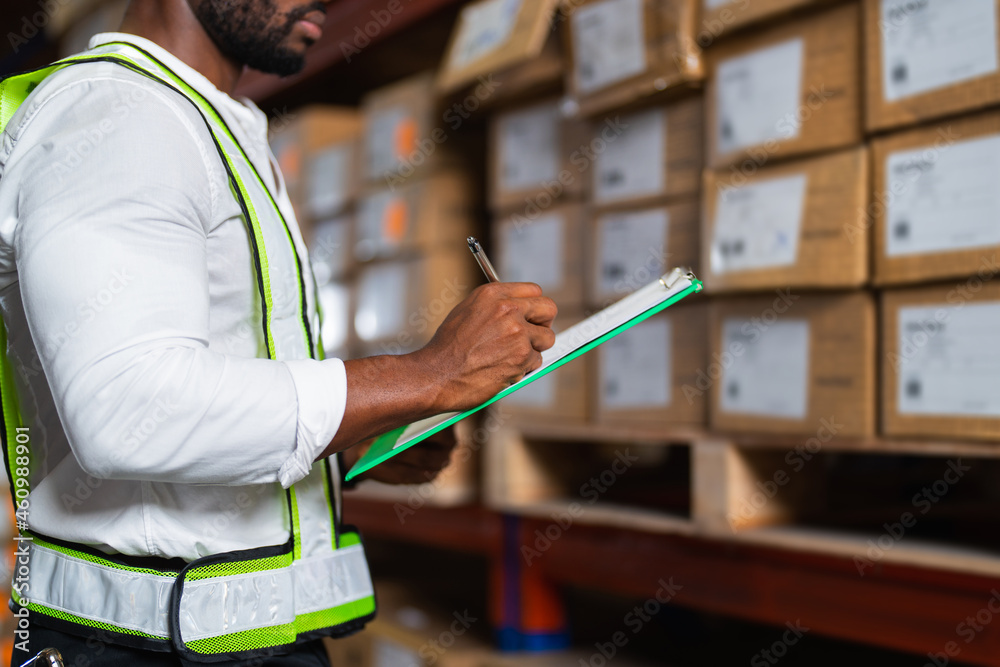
(227, 606)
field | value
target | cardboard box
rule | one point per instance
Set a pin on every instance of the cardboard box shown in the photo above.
(647, 155)
(407, 134)
(789, 90)
(419, 216)
(314, 150)
(936, 202)
(721, 17)
(534, 79)
(929, 59)
(492, 36)
(401, 302)
(622, 51)
(547, 250)
(941, 362)
(331, 249)
(632, 247)
(331, 179)
(789, 225)
(792, 363)
(531, 156)
(641, 375)
(337, 301)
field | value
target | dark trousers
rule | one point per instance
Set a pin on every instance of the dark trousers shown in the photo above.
(93, 652)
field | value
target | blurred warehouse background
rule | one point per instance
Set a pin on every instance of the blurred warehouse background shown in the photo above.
(799, 465)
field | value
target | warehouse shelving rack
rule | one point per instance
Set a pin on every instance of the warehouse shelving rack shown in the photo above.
(776, 570)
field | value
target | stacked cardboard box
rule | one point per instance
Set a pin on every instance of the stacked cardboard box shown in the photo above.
(623, 51)
(787, 191)
(941, 360)
(317, 151)
(929, 59)
(646, 376)
(788, 224)
(416, 208)
(934, 213)
(512, 42)
(536, 181)
(593, 209)
(721, 17)
(535, 157)
(645, 203)
(791, 89)
(631, 247)
(791, 363)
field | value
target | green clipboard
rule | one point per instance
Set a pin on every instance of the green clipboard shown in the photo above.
(570, 344)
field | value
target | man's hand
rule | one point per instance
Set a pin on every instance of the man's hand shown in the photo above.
(488, 342)
(417, 465)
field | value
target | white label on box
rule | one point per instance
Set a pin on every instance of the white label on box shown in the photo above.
(633, 161)
(335, 300)
(769, 374)
(945, 198)
(529, 148)
(635, 367)
(631, 251)
(328, 252)
(931, 44)
(484, 27)
(758, 97)
(329, 185)
(534, 252)
(948, 360)
(381, 140)
(609, 43)
(758, 225)
(715, 4)
(382, 301)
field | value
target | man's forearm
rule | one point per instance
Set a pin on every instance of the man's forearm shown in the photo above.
(383, 393)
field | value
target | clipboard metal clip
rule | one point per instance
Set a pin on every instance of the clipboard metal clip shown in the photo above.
(668, 280)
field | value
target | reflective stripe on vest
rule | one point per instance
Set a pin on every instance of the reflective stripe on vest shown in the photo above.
(236, 604)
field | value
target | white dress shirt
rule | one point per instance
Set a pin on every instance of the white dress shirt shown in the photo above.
(156, 428)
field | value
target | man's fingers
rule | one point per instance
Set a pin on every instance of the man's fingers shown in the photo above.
(539, 310)
(541, 337)
(514, 290)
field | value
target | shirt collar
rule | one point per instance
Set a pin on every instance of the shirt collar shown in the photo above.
(247, 113)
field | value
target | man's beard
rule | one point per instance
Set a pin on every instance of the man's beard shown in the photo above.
(252, 32)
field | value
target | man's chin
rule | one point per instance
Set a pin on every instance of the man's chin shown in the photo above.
(283, 66)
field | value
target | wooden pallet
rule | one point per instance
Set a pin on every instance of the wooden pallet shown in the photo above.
(743, 489)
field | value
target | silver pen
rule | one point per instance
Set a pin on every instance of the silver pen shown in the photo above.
(484, 261)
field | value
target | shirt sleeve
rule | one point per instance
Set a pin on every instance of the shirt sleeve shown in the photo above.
(114, 205)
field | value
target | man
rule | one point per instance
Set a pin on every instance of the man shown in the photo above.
(171, 438)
